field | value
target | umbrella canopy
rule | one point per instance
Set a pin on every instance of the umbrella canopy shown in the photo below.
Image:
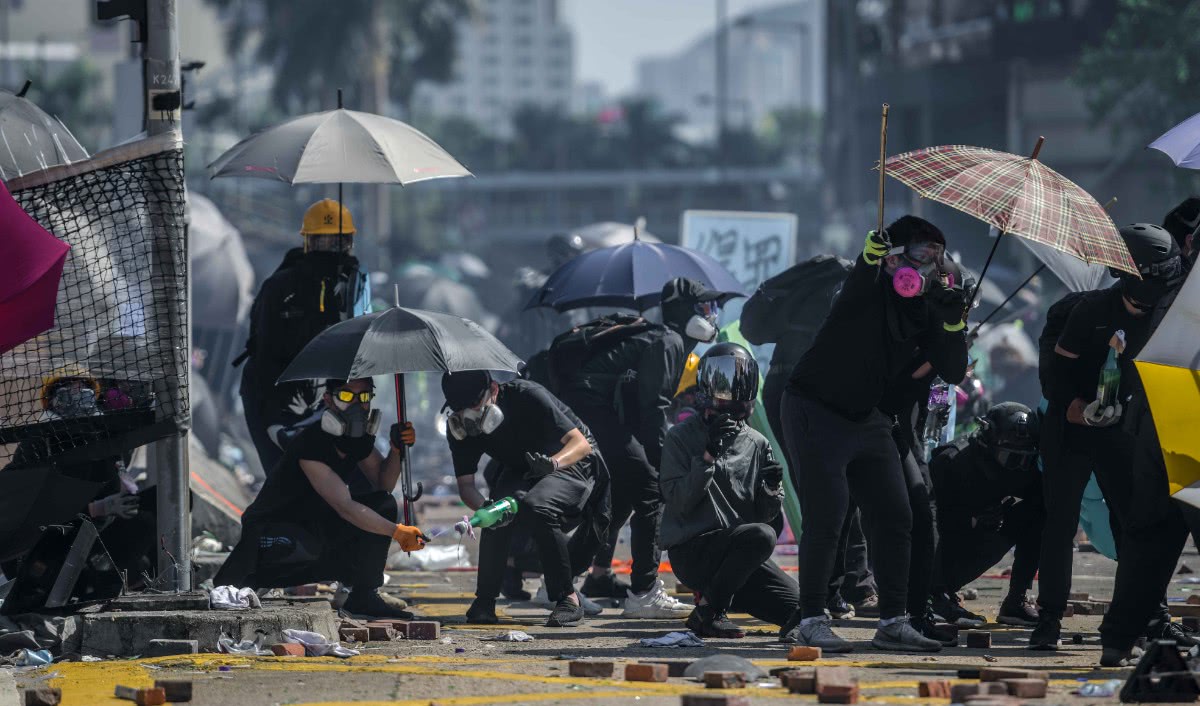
(31, 265)
(1017, 195)
(1169, 366)
(32, 140)
(222, 276)
(631, 276)
(1181, 143)
(1079, 276)
(339, 146)
(399, 340)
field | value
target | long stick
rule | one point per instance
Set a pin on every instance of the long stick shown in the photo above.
(882, 157)
(1015, 292)
(405, 463)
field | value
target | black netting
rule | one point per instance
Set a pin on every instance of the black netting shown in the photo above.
(109, 376)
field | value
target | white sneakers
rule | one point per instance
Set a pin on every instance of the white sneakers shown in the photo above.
(655, 604)
(589, 606)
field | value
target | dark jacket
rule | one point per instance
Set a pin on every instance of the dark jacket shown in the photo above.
(968, 483)
(699, 497)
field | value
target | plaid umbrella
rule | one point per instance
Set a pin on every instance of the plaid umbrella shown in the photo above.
(1017, 195)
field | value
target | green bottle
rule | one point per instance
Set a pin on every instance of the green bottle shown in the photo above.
(489, 515)
(1110, 374)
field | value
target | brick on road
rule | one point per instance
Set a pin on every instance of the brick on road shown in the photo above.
(799, 681)
(979, 639)
(176, 690)
(287, 649)
(590, 668)
(42, 696)
(354, 634)
(381, 632)
(675, 667)
(836, 686)
(801, 653)
(959, 693)
(733, 699)
(1001, 673)
(646, 672)
(934, 689)
(1026, 688)
(724, 680)
(422, 630)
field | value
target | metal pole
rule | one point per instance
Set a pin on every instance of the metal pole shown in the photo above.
(722, 78)
(161, 81)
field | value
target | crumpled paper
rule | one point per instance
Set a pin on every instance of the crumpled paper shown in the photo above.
(511, 636)
(315, 644)
(672, 639)
(233, 598)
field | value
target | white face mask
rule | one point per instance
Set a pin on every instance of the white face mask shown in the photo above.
(473, 422)
(701, 329)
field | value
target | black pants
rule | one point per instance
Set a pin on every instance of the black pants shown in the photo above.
(732, 568)
(964, 554)
(1070, 454)
(1152, 538)
(542, 510)
(635, 496)
(326, 548)
(851, 577)
(924, 530)
(831, 459)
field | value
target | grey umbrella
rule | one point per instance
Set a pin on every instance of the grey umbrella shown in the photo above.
(222, 277)
(32, 140)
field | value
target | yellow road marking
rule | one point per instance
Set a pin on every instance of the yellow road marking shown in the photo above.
(91, 683)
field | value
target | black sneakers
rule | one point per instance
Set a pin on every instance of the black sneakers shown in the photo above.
(838, 608)
(565, 614)
(1047, 634)
(1018, 610)
(706, 622)
(949, 607)
(1168, 630)
(482, 612)
(604, 586)
(367, 604)
(947, 635)
(868, 607)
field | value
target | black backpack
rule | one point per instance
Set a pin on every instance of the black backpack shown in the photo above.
(1056, 322)
(571, 350)
(798, 297)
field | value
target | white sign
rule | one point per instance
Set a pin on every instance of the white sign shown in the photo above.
(753, 246)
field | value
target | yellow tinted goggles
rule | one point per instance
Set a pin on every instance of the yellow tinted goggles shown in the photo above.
(350, 395)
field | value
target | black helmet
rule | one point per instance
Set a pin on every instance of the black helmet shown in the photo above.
(1156, 255)
(727, 380)
(562, 248)
(1010, 431)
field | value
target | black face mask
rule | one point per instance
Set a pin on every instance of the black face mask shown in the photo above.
(356, 448)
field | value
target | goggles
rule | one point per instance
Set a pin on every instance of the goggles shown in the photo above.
(349, 396)
(707, 309)
(921, 253)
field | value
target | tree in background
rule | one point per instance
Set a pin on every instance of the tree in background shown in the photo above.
(317, 46)
(70, 93)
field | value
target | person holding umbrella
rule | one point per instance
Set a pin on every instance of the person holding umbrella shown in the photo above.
(315, 287)
(306, 525)
(549, 464)
(894, 301)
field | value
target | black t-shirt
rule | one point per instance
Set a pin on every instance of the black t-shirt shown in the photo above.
(534, 421)
(1093, 321)
(287, 492)
(967, 482)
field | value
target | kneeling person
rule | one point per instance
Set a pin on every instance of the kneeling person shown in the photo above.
(306, 525)
(549, 464)
(722, 489)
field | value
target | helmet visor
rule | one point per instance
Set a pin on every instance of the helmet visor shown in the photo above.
(728, 377)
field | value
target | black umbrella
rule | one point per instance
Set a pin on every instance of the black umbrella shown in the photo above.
(398, 341)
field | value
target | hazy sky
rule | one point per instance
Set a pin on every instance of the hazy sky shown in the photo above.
(611, 35)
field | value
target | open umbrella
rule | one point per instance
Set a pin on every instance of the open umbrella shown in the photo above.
(397, 341)
(32, 140)
(630, 276)
(31, 265)
(1017, 195)
(1181, 143)
(1169, 366)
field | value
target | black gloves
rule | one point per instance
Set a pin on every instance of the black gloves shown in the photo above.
(540, 465)
(772, 475)
(721, 432)
(948, 305)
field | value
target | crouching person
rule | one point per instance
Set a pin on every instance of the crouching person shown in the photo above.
(306, 525)
(549, 464)
(722, 491)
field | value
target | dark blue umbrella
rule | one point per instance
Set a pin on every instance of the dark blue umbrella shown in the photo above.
(631, 276)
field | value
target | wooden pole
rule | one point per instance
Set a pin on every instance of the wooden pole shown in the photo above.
(882, 158)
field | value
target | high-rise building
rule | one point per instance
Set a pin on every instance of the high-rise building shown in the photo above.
(511, 53)
(775, 59)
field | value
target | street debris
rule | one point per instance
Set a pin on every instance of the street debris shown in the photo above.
(511, 636)
(233, 598)
(315, 645)
(672, 639)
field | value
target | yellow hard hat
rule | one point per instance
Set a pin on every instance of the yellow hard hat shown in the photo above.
(63, 374)
(321, 218)
(688, 379)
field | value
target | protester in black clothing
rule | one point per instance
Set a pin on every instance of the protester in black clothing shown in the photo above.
(549, 464)
(306, 526)
(989, 500)
(314, 287)
(1156, 530)
(787, 310)
(840, 444)
(1182, 221)
(722, 490)
(1082, 434)
(623, 391)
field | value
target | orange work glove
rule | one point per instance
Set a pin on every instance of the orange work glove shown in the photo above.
(410, 538)
(402, 437)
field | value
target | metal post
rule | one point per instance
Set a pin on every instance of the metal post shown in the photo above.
(722, 78)
(161, 80)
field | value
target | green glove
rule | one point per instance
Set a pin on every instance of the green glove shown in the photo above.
(875, 249)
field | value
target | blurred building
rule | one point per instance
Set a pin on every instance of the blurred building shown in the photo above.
(511, 53)
(776, 59)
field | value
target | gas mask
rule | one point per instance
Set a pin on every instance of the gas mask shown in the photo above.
(474, 422)
(1143, 294)
(350, 419)
(737, 410)
(922, 265)
(69, 402)
(703, 324)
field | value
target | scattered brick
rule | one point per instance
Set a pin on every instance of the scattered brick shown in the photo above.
(979, 639)
(354, 634)
(725, 680)
(288, 649)
(1026, 688)
(835, 686)
(590, 668)
(423, 630)
(802, 653)
(934, 689)
(1002, 673)
(176, 690)
(142, 697)
(799, 681)
(734, 699)
(960, 692)
(166, 648)
(42, 696)
(646, 672)
(675, 667)
(381, 632)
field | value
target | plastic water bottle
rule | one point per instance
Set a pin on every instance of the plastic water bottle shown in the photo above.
(941, 403)
(500, 511)
(1110, 374)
